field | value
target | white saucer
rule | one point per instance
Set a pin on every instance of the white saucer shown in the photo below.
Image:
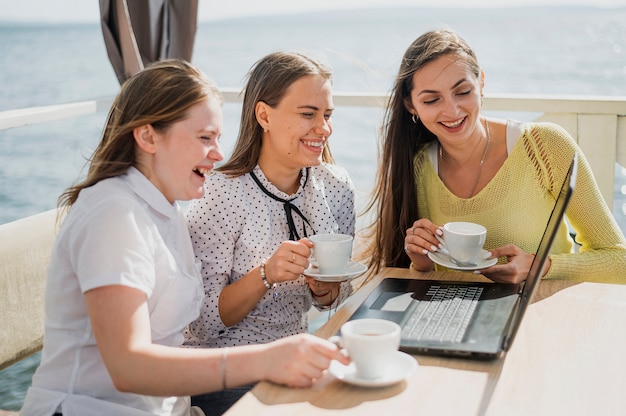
(399, 368)
(353, 269)
(445, 260)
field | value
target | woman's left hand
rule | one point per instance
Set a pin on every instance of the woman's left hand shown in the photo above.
(515, 270)
(324, 293)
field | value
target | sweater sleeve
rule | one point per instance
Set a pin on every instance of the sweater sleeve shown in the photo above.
(212, 222)
(602, 253)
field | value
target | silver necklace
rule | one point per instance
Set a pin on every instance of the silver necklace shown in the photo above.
(482, 160)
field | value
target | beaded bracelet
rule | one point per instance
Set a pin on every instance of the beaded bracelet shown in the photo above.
(266, 283)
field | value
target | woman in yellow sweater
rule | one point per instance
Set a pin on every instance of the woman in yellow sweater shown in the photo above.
(444, 161)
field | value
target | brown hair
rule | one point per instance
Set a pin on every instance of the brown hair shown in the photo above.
(267, 81)
(395, 196)
(159, 95)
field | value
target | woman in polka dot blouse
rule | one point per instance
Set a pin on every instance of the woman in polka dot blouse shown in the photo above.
(279, 186)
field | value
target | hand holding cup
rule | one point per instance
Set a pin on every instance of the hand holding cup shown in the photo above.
(371, 344)
(463, 242)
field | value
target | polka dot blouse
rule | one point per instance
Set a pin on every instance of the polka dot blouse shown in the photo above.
(235, 225)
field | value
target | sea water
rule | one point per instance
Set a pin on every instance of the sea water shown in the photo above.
(579, 51)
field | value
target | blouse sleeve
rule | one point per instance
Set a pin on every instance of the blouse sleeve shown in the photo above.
(213, 222)
(602, 252)
(344, 213)
(345, 216)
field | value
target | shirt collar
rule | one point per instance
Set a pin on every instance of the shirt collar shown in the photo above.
(149, 193)
(273, 189)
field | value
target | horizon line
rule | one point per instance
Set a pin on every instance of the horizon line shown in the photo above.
(18, 19)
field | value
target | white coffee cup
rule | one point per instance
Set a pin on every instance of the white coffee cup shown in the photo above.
(463, 241)
(332, 252)
(370, 344)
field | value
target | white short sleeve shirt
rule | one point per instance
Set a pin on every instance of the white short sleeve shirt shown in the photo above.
(121, 231)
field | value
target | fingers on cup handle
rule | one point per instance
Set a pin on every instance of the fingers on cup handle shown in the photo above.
(442, 246)
(336, 339)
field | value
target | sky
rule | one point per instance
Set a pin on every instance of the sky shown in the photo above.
(88, 10)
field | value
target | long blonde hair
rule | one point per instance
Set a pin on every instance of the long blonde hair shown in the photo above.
(159, 95)
(268, 81)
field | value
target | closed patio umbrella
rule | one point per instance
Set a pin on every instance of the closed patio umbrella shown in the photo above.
(138, 32)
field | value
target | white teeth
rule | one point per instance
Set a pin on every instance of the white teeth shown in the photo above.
(203, 171)
(314, 144)
(452, 125)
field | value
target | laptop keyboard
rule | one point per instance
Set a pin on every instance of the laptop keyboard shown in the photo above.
(445, 317)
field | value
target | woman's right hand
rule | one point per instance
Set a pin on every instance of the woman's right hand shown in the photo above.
(517, 265)
(419, 240)
(288, 261)
(300, 360)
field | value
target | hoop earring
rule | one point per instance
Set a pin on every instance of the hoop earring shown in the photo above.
(415, 117)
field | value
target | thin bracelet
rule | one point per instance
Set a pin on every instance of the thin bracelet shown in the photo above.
(266, 283)
(322, 295)
(224, 352)
(332, 301)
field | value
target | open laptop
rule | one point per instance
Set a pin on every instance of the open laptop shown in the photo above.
(493, 311)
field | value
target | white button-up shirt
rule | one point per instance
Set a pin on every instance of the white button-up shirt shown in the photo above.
(121, 231)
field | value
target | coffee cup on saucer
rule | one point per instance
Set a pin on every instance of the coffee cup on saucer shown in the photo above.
(332, 252)
(463, 242)
(371, 345)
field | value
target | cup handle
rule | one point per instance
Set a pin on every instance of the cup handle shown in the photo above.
(312, 259)
(443, 249)
(336, 339)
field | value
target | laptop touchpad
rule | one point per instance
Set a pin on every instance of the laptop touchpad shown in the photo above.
(393, 301)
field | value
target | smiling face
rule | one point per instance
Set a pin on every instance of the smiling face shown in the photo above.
(297, 129)
(446, 96)
(177, 159)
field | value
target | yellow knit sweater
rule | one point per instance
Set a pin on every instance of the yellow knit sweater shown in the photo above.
(516, 204)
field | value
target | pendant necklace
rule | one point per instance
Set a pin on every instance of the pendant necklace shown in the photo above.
(482, 160)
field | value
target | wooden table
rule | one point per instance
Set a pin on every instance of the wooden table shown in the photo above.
(567, 359)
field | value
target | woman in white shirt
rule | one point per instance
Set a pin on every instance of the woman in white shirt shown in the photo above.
(123, 281)
(249, 230)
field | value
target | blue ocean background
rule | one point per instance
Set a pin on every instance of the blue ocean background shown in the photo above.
(542, 50)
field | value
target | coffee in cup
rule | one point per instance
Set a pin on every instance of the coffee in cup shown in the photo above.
(463, 241)
(332, 252)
